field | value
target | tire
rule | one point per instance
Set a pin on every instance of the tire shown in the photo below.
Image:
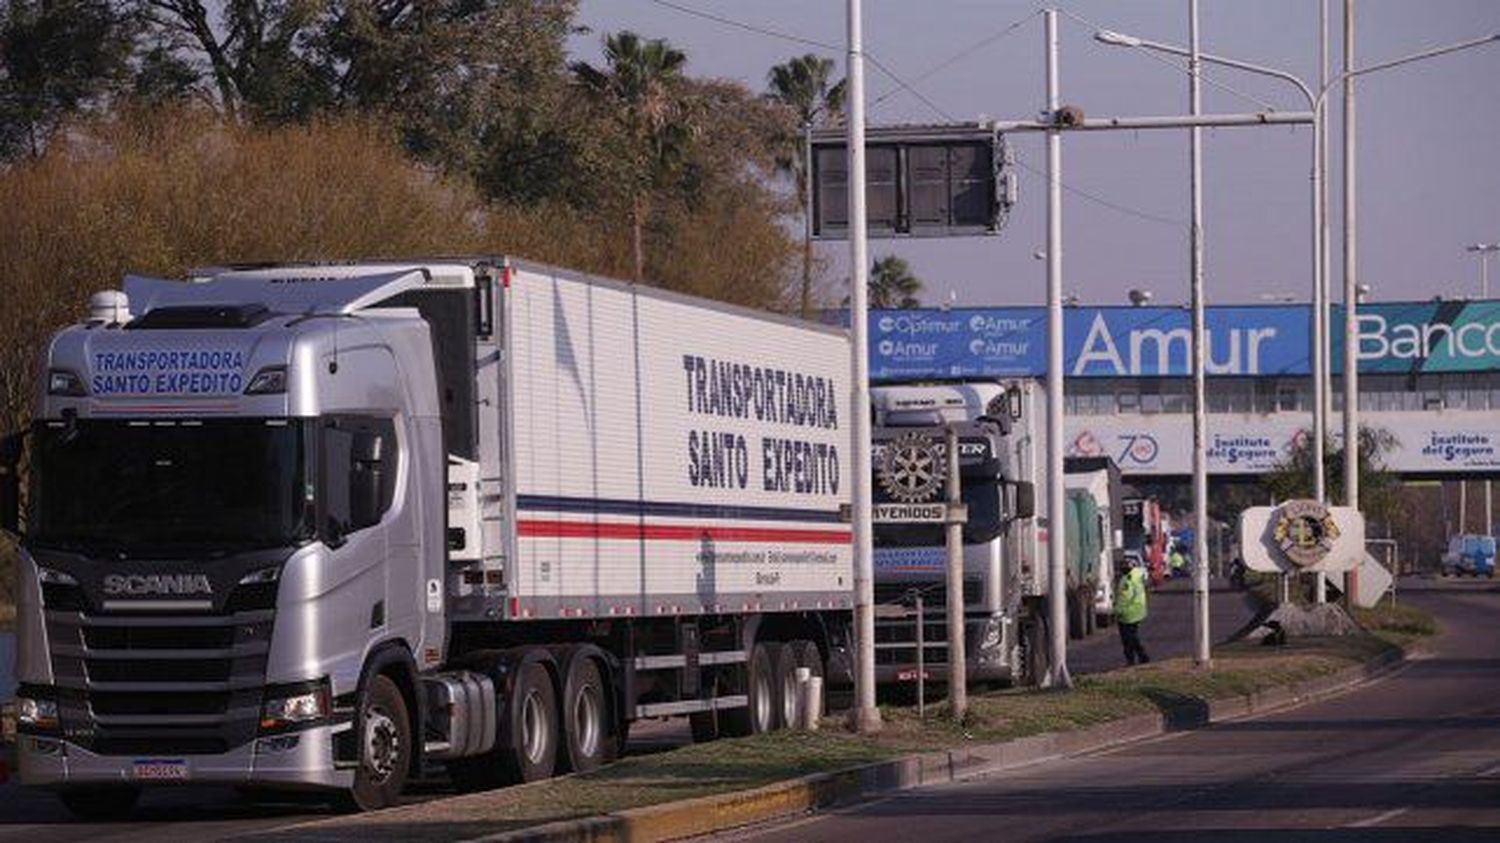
(385, 746)
(810, 657)
(589, 737)
(785, 659)
(509, 763)
(1077, 625)
(534, 727)
(759, 715)
(1033, 651)
(100, 804)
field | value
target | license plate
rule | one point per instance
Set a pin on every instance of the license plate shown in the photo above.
(161, 769)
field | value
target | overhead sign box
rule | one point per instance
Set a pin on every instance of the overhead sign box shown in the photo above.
(919, 181)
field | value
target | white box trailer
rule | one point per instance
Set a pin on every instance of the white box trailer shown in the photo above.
(668, 456)
(484, 512)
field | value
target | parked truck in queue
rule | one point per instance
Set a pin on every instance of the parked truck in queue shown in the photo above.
(320, 527)
(1096, 548)
(1003, 605)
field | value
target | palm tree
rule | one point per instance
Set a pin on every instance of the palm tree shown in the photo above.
(892, 285)
(802, 84)
(640, 85)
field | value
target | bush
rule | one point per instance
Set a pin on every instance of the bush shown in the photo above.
(159, 191)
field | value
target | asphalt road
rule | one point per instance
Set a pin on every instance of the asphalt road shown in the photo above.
(201, 813)
(1167, 631)
(1413, 756)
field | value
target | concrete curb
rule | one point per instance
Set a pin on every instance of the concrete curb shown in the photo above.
(708, 814)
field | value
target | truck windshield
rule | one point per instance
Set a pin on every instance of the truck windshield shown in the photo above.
(985, 519)
(165, 486)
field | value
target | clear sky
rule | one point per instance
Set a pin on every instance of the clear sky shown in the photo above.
(1428, 135)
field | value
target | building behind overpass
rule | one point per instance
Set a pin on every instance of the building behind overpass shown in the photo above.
(1429, 375)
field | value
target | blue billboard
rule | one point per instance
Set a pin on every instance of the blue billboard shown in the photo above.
(1414, 337)
(958, 343)
(1097, 342)
(1157, 341)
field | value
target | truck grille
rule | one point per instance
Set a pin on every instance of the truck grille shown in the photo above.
(173, 685)
(934, 593)
(896, 637)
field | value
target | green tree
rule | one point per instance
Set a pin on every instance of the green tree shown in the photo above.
(255, 51)
(1379, 489)
(641, 85)
(892, 284)
(803, 84)
(56, 58)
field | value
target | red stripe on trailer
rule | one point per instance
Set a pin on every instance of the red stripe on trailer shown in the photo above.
(677, 532)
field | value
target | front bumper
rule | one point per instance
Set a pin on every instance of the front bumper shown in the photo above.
(276, 761)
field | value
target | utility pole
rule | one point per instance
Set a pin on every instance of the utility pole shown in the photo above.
(1202, 637)
(866, 713)
(1324, 397)
(1057, 570)
(954, 517)
(1351, 298)
(1485, 250)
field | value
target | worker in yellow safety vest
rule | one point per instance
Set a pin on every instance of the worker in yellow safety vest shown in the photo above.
(1130, 611)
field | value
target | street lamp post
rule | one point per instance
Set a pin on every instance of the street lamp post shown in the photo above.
(1315, 102)
(866, 715)
(1485, 250)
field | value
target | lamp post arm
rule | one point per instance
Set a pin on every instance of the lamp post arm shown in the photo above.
(1119, 40)
(1386, 65)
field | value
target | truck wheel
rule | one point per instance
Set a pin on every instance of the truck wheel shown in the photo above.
(385, 746)
(586, 721)
(810, 657)
(785, 659)
(759, 715)
(100, 804)
(1033, 650)
(534, 727)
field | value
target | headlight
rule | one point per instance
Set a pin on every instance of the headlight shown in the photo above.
(64, 382)
(51, 577)
(36, 715)
(268, 381)
(294, 709)
(991, 638)
(264, 575)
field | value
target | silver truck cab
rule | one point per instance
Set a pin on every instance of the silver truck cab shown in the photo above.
(910, 559)
(235, 527)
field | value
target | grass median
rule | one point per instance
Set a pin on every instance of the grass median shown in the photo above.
(740, 764)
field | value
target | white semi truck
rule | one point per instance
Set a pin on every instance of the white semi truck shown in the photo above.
(321, 526)
(1004, 555)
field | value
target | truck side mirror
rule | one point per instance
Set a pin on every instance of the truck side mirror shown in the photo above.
(10, 484)
(1025, 500)
(366, 479)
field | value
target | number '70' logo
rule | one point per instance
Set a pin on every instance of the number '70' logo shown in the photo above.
(1140, 448)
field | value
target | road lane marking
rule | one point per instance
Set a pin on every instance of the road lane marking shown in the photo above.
(1378, 818)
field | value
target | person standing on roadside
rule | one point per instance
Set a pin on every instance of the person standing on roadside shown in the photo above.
(1130, 611)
